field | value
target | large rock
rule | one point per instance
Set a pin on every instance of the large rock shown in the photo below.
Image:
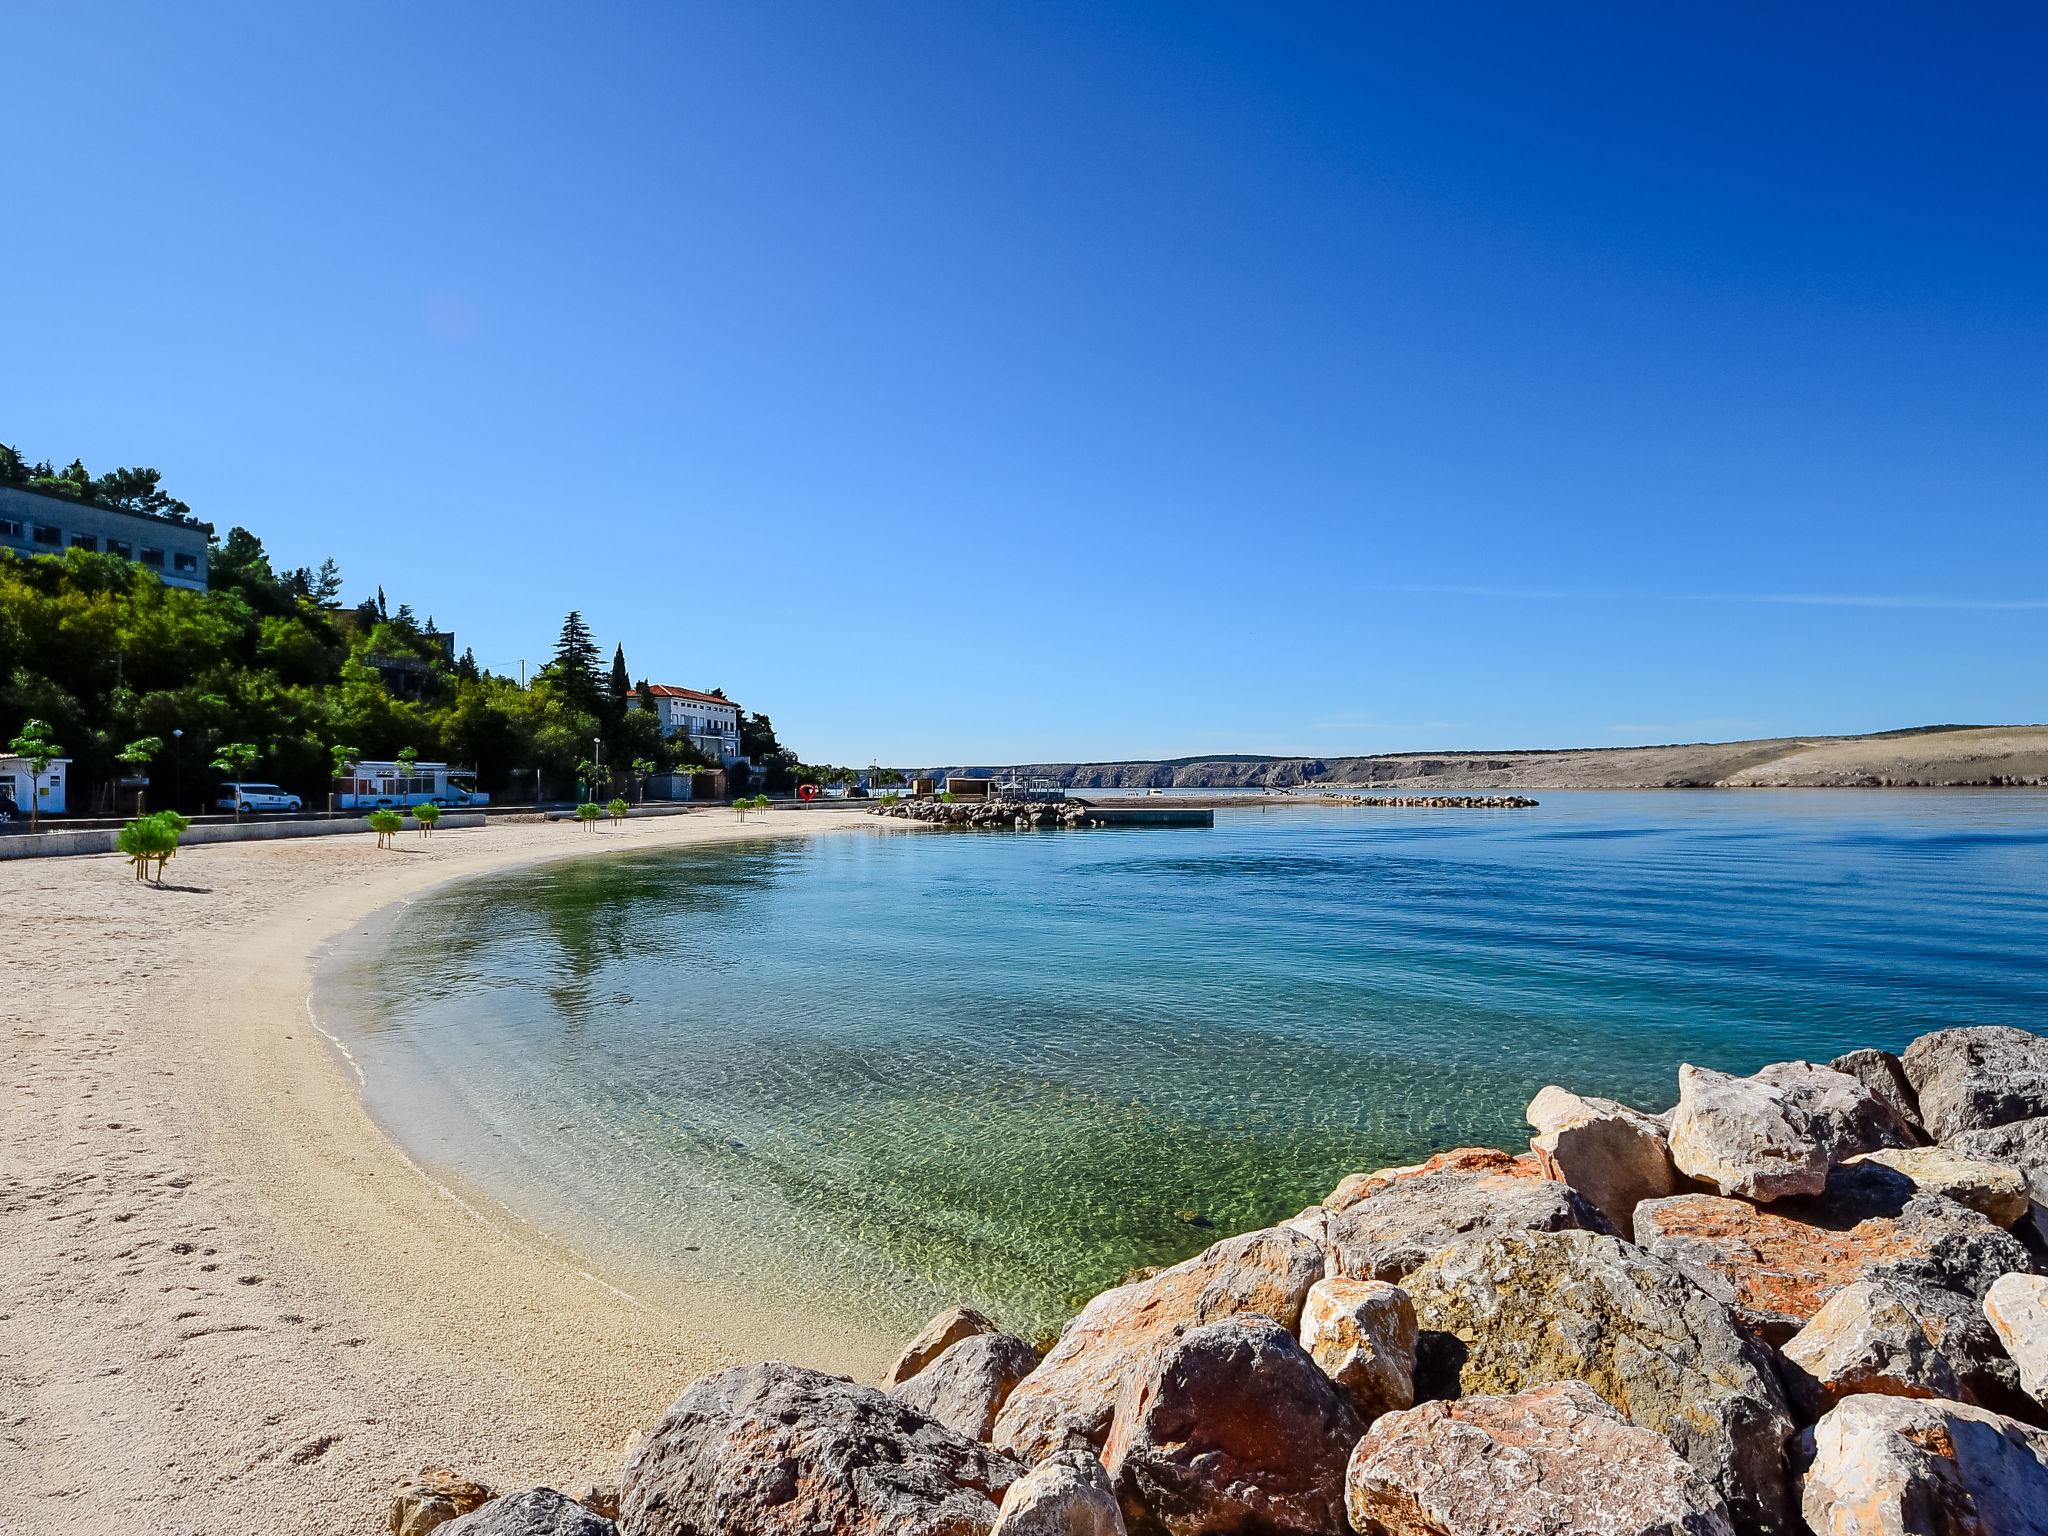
(1895, 1466)
(2024, 1145)
(779, 1450)
(1388, 1233)
(1233, 1428)
(1362, 1334)
(537, 1512)
(1971, 1079)
(1744, 1137)
(1354, 1187)
(1994, 1189)
(1775, 1271)
(1883, 1074)
(1065, 1495)
(429, 1501)
(1546, 1462)
(966, 1387)
(1072, 1393)
(1615, 1156)
(1506, 1313)
(933, 1340)
(1867, 1337)
(1842, 1113)
(2017, 1307)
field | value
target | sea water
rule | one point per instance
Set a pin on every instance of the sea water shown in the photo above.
(885, 1072)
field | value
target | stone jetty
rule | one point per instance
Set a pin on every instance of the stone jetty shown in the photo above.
(1808, 1299)
(988, 815)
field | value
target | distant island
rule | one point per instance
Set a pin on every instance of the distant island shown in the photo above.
(1931, 756)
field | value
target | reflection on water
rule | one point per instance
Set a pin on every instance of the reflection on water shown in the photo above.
(897, 1071)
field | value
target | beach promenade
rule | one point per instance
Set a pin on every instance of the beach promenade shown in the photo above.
(230, 1303)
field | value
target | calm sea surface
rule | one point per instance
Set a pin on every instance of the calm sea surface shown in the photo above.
(902, 1070)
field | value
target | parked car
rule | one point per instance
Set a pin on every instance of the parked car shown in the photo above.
(9, 811)
(257, 797)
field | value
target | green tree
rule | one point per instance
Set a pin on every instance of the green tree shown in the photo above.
(588, 813)
(619, 684)
(574, 664)
(231, 760)
(150, 839)
(617, 810)
(326, 586)
(427, 815)
(35, 744)
(386, 825)
(137, 756)
(642, 770)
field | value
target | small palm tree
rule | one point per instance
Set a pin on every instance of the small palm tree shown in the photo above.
(588, 813)
(617, 809)
(385, 824)
(234, 759)
(35, 745)
(426, 815)
(643, 770)
(151, 838)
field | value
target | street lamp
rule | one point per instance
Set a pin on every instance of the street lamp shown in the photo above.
(177, 767)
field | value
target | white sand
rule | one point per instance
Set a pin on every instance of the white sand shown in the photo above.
(227, 1302)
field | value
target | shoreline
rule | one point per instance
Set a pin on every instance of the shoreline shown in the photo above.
(231, 1293)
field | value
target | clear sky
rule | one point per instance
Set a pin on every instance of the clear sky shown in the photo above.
(985, 382)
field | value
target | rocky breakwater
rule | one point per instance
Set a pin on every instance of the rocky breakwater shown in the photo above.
(1446, 802)
(988, 815)
(1808, 1299)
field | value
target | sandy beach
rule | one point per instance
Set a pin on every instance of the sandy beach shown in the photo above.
(227, 1301)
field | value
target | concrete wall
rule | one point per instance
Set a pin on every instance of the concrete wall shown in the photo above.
(30, 509)
(58, 844)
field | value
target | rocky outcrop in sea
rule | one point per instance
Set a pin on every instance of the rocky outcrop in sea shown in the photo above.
(1806, 1299)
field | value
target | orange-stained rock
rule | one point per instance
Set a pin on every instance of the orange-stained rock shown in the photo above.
(1362, 1334)
(1354, 1187)
(933, 1340)
(429, 1501)
(1895, 1466)
(1070, 1396)
(1868, 1337)
(1537, 1463)
(1400, 1226)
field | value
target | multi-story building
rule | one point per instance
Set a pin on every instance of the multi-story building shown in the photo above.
(710, 723)
(34, 524)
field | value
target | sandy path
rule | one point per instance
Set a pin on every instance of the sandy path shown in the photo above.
(227, 1302)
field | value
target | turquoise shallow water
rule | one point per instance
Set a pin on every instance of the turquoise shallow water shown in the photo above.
(893, 1071)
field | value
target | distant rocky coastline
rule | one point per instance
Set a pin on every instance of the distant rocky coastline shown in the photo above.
(1001, 814)
(1943, 757)
(1808, 1299)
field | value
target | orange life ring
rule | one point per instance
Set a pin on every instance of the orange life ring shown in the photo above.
(807, 791)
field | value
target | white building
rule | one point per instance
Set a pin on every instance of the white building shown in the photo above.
(710, 723)
(14, 783)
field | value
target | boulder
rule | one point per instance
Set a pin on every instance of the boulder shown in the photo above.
(933, 1340)
(1537, 1463)
(1841, 1113)
(1867, 1337)
(2017, 1307)
(1232, 1428)
(429, 1501)
(1895, 1466)
(1744, 1137)
(1355, 1187)
(1389, 1232)
(779, 1450)
(1973, 1079)
(1994, 1189)
(1362, 1334)
(1774, 1271)
(1882, 1073)
(537, 1512)
(1615, 1156)
(1517, 1310)
(2024, 1145)
(966, 1387)
(1064, 1495)
(1072, 1393)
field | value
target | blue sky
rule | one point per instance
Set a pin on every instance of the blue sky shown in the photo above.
(982, 382)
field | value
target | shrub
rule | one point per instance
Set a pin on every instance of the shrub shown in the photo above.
(947, 797)
(426, 815)
(617, 809)
(385, 824)
(890, 797)
(151, 838)
(587, 813)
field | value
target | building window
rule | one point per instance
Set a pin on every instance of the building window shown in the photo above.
(122, 548)
(9, 528)
(153, 558)
(45, 534)
(84, 541)
(188, 563)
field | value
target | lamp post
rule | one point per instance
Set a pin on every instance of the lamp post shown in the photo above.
(177, 766)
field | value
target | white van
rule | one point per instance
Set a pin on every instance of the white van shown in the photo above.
(247, 798)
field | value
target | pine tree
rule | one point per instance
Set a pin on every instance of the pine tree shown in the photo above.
(327, 582)
(575, 659)
(382, 612)
(466, 667)
(620, 685)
